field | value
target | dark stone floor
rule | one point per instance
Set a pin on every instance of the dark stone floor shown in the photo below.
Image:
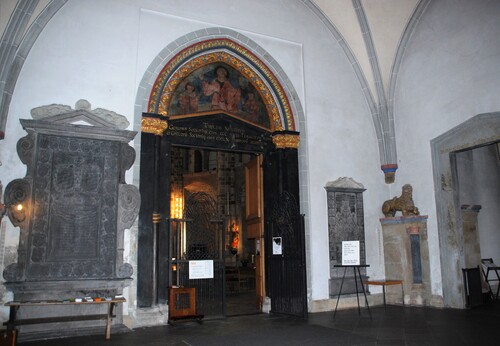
(396, 325)
(244, 303)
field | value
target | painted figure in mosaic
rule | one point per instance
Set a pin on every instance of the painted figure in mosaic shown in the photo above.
(252, 108)
(188, 99)
(404, 203)
(217, 87)
(224, 95)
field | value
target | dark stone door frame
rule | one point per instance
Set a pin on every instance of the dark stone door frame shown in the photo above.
(478, 131)
(152, 257)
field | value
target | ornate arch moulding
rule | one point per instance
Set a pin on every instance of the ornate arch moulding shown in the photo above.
(234, 55)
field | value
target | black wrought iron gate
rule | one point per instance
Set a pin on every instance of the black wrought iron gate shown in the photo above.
(165, 248)
(286, 257)
(284, 234)
(198, 238)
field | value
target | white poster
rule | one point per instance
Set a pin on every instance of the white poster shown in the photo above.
(277, 246)
(201, 269)
(350, 252)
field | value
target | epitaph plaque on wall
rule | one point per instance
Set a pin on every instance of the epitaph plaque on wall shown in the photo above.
(77, 204)
(345, 224)
(73, 230)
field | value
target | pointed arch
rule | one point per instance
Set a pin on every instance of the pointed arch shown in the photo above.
(222, 52)
(245, 56)
(219, 44)
(18, 38)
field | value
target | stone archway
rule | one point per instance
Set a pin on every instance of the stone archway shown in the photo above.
(478, 131)
(173, 49)
(189, 62)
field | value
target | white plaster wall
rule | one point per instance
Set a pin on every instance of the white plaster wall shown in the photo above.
(99, 50)
(450, 73)
(342, 143)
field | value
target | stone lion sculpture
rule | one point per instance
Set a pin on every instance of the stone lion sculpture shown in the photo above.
(404, 204)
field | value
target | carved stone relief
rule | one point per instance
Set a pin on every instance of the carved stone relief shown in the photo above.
(76, 203)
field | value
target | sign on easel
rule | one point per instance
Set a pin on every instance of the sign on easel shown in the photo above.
(350, 252)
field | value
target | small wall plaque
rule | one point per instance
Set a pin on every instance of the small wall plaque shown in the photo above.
(350, 252)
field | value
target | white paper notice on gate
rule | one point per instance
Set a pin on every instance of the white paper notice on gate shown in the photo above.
(201, 269)
(277, 246)
(350, 253)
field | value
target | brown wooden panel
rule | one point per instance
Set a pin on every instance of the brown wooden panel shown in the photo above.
(182, 302)
(253, 230)
(254, 221)
(253, 189)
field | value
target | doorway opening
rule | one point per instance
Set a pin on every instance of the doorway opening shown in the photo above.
(478, 183)
(214, 92)
(459, 177)
(209, 222)
(201, 225)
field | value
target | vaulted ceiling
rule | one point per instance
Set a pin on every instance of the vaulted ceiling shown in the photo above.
(384, 20)
(373, 34)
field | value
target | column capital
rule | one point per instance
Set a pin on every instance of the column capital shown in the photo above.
(155, 124)
(286, 139)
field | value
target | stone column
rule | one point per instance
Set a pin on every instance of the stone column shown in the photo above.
(406, 255)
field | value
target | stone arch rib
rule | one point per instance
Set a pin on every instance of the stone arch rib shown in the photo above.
(405, 38)
(15, 46)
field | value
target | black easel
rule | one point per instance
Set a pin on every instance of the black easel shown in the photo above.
(357, 275)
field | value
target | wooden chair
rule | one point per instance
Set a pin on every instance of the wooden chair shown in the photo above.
(235, 282)
(232, 280)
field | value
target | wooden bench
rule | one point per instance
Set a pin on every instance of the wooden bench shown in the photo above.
(14, 307)
(384, 283)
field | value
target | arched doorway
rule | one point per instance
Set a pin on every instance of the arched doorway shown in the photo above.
(221, 100)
